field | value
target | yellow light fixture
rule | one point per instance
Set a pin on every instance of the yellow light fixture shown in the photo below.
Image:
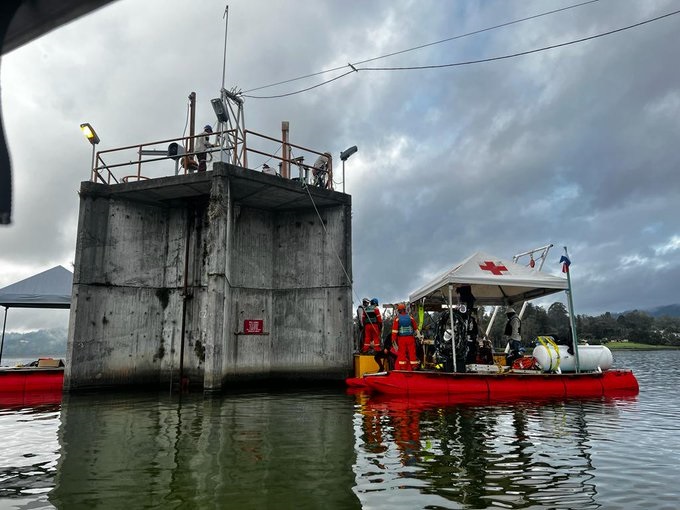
(89, 133)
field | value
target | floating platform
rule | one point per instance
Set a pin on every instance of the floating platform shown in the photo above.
(507, 385)
(31, 386)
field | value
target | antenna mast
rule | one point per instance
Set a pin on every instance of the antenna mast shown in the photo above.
(229, 111)
(224, 58)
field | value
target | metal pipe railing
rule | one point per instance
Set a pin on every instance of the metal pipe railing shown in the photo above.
(103, 172)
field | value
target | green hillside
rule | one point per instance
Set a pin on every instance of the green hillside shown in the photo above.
(44, 342)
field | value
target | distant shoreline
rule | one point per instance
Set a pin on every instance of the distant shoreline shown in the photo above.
(13, 361)
(634, 346)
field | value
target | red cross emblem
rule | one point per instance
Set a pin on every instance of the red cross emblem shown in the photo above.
(490, 266)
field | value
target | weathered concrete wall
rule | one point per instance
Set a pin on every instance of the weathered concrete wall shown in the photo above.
(118, 264)
(133, 321)
(310, 291)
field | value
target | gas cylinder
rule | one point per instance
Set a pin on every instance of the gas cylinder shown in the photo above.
(590, 357)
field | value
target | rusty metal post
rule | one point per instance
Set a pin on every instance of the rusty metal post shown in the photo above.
(139, 162)
(186, 293)
(285, 150)
(192, 120)
(329, 184)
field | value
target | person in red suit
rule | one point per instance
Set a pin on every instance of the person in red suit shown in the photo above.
(372, 326)
(404, 329)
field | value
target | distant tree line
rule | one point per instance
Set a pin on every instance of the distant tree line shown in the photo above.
(633, 326)
(44, 342)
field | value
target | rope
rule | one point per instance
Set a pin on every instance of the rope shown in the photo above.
(548, 342)
(186, 122)
(344, 270)
(272, 156)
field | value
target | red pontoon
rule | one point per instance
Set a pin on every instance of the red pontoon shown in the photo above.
(32, 385)
(503, 385)
(42, 381)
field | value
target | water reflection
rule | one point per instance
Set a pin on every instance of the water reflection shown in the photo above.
(517, 455)
(319, 449)
(28, 457)
(246, 451)
(29, 399)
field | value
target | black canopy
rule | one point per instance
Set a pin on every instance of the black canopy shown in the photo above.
(49, 289)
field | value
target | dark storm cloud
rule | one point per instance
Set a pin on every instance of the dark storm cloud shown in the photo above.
(575, 146)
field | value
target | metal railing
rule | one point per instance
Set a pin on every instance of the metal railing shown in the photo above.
(149, 160)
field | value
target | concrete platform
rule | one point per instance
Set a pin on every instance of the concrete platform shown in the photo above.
(226, 276)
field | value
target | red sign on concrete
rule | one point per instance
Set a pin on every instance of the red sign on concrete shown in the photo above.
(253, 326)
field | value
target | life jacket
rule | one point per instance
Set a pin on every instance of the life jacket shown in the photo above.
(508, 326)
(360, 316)
(525, 363)
(371, 317)
(405, 325)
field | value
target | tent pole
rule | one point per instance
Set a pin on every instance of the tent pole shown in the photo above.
(2, 342)
(572, 319)
(453, 329)
(491, 321)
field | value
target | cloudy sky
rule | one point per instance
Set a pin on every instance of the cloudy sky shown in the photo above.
(575, 146)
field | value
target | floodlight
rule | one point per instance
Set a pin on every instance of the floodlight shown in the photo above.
(89, 133)
(344, 155)
(220, 111)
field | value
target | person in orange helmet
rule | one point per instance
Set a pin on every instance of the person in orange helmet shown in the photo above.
(404, 328)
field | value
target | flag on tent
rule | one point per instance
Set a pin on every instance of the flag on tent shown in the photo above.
(564, 260)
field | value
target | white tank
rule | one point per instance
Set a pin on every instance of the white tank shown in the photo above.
(590, 357)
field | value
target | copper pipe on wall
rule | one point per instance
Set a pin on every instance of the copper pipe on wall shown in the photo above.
(192, 120)
(285, 150)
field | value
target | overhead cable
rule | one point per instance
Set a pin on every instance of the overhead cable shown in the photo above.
(300, 91)
(469, 62)
(528, 52)
(452, 38)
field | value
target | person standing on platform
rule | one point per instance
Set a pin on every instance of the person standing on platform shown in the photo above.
(471, 334)
(372, 326)
(386, 357)
(404, 329)
(513, 334)
(320, 170)
(202, 146)
(360, 321)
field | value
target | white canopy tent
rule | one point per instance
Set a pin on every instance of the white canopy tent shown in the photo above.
(49, 289)
(493, 281)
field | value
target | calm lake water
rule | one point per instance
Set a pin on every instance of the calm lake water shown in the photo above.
(330, 449)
